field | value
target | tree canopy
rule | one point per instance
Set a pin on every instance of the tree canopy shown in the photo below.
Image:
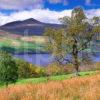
(8, 68)
(74, 38)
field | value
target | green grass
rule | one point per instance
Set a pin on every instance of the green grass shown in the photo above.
(6, 44)
(24, 46)
(53, 78)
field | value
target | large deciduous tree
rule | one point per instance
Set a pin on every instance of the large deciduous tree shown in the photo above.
(73, 38)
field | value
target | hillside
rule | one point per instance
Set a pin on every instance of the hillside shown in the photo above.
(15, 43)
(28, 27)
(28, 35)
(24, 36)
(79, 88)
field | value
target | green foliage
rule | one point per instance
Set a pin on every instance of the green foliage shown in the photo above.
(53, 69)
(41, 71)
(74, 38)
(24, 69)
(7, 44)
(8, 68)
(57, 69)
(97, 66)
(58, 77)
(27, 70)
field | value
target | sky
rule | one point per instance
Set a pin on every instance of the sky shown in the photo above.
(48, 11)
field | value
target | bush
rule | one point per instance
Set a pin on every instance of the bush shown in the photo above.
(24, 69)
(8, 68)
(67, 69)
(53, 69)
(27, 70)
(97, 66)
(56, 69)
(41, 71)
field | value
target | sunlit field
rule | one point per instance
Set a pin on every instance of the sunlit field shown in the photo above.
(16, 43)
(50, 50)
(79, 88)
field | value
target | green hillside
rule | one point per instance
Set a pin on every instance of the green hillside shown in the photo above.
(14, 43)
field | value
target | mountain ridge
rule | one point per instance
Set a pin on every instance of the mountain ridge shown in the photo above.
(29, 26)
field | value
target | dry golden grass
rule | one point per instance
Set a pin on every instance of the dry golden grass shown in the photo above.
(15, 43)
(86, 88)
(36, 39)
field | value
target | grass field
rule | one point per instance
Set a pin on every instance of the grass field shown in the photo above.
(68, 88)
(17, 43)
(54, 78)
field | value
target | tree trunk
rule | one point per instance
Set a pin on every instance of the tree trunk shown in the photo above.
(75, 58)
(76, 65)
(6, 84)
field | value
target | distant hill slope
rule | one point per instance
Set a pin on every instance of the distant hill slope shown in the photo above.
(15, 43)
(28, 27)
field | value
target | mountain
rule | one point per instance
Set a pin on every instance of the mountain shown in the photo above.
(28, 27)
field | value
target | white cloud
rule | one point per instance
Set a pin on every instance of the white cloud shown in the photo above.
(93, 12)
(88, 2)
(55, 1)
(21, 4)
(27, 4)
(91, 3)
(43, 15)
(64, 2)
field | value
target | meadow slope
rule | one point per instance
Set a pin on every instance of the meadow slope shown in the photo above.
(78, 88)
(12, 43)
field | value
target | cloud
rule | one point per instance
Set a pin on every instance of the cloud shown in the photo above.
(21, 4)
(43, 15)
(88, 2)
(55, 1)
(27, 4)
(91, 3)
(64, 2)
(93, 12)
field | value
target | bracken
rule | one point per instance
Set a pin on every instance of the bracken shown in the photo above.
(86, 88)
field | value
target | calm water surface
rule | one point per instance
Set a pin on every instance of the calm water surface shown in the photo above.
(45, 59)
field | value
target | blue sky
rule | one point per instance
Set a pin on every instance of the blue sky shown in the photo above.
(70, 4)
(44, 10)
(9, 6)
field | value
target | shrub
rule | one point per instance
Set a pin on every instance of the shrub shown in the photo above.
(8, 68)
(25, 70)
(97, 66)
(56, 69)
(66, 69)
(53, 69)
(41, 71)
